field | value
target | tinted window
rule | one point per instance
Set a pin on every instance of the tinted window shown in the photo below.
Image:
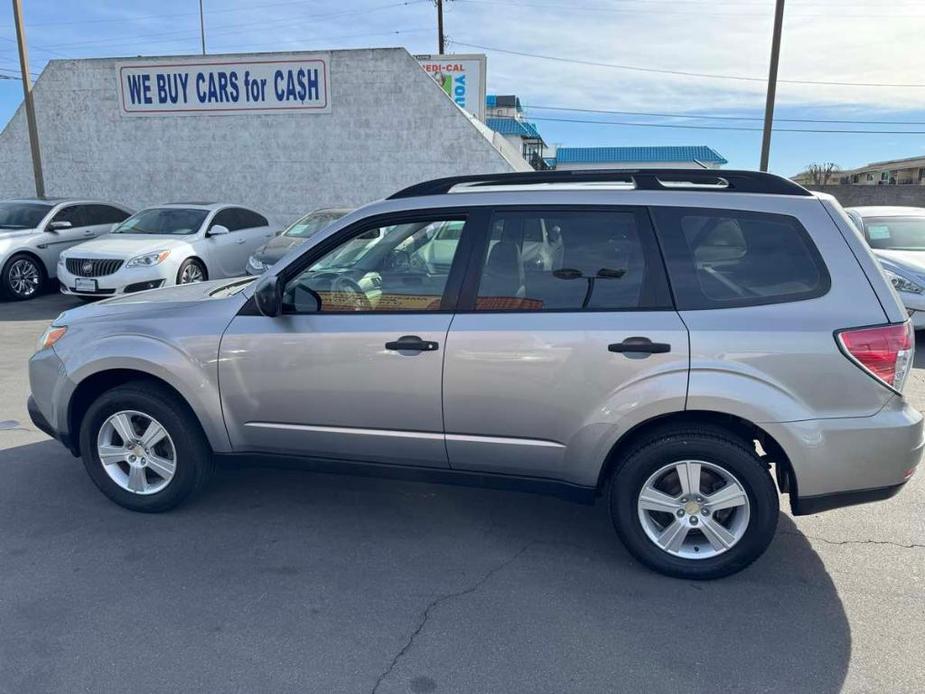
(22, 215)
(104, 214)
(176, 221)
(249, 218)
(571, 260)
(402, 267)
(73, 214)
(228, 218)
(896, 233)
(722, 258)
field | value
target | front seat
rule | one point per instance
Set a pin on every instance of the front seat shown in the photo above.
(504, 271)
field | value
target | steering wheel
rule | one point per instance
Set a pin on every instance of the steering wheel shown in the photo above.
(354, 296)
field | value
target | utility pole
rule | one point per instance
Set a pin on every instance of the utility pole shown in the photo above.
(202, 28)
(440, 37)
(27, 98)
(772, 85)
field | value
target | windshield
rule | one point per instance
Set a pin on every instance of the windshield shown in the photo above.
(896, 233)
(22, 215)
(311, 223)
(175, 221)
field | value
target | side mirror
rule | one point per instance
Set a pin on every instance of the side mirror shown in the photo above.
(58, 226)
(218, 230)
(268, 296)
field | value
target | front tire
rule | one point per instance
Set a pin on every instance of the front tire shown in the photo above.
(694, 503)
(143, 447)
(22, 277)
(191, 270)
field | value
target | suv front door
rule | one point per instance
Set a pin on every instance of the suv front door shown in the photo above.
(352, 369)
(564, 336)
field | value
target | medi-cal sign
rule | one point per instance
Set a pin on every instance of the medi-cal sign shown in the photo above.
(220, 86)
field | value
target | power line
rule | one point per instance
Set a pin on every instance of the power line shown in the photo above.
(680, 73)
(730, 118)
(731, 127)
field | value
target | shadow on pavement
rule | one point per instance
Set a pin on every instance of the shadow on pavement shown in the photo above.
(283, 580)
(45, 306)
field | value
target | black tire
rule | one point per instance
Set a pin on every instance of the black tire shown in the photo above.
(694, 443)
(6, 286)
(194, 462)
(192, 262)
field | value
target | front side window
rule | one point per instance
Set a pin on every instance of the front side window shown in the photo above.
(719, 258)
(104, 214)
(227, 218)
(22, 215)
(73, 214)
(400, 267)
(570, 260)
(896, 233)
(171, 221)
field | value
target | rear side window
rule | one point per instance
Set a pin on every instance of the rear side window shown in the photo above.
(725, 258)
(571, 260)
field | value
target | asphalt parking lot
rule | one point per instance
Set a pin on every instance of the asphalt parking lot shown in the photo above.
(283, 580)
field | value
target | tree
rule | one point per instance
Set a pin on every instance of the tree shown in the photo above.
(821, 173)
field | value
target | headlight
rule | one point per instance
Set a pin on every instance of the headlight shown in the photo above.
(148, 259)
(903, 284)
(52, 334)
(255, 264)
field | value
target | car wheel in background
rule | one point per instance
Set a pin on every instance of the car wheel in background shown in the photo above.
(191, 270)
(694, 502)
(143, 447)
(22, 277)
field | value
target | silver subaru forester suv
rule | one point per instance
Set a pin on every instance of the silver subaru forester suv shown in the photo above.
(686, 343)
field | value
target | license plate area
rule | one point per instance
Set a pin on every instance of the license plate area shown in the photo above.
(82, 284)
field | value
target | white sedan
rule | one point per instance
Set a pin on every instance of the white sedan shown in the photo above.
(161, 246)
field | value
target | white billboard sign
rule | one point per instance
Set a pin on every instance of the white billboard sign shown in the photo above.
(191, 86)
(462, 77)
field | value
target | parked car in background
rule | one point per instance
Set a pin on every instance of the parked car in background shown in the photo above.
(296, 233)
(34, 232)
(897, 237)
(676, 341)
(177, 243)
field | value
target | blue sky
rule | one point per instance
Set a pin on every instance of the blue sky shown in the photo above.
(847, 41)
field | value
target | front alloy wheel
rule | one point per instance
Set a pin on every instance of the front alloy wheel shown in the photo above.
(23, 278)
(136, 452)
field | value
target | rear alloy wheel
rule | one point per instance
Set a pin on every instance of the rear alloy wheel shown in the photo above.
(143, 447)
(23, 277)
(694, 503)
(191, 271)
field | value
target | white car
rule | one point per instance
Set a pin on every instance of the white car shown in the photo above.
(34, 232)
(178, 243)
(897, 237)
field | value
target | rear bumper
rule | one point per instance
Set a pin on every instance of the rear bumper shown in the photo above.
(847, 461)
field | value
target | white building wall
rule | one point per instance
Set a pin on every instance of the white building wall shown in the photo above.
(390, 126)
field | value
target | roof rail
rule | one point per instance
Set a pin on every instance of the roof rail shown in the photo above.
(720, 180)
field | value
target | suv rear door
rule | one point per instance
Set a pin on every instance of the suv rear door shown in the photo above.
(565, 337)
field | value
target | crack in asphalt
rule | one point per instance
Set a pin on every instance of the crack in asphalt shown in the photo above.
(436, 602)
(914, 545)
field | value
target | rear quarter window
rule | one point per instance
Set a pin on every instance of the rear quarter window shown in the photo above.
(727, 258)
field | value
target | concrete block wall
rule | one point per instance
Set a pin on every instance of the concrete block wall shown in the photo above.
(390, 126)
(860, 195)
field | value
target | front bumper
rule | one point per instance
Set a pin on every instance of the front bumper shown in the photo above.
(35, 414)
(51, 394)
(851, 460)
(123, 281)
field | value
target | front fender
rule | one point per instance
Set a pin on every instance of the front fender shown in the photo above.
(189, 367)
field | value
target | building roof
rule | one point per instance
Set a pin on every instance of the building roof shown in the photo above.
(627, 155)
(512, 126)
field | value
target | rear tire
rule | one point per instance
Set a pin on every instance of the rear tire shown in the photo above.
(145, 488)
(719, 534)
(23, 277)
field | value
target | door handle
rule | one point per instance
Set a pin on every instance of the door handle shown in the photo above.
(412, 343)
(240, 241)
(639, 345)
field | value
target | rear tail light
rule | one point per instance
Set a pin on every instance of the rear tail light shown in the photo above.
(885, 352)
